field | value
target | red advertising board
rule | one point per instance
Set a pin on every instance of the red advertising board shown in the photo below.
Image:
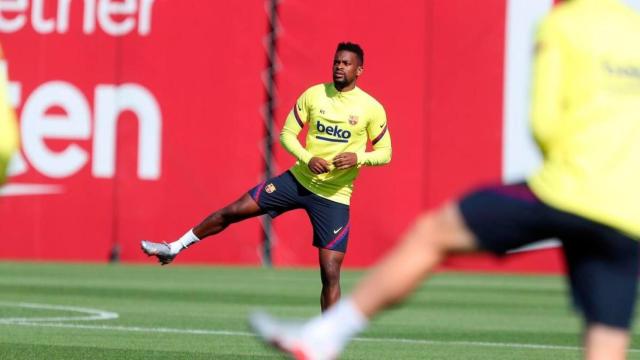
(140, 117)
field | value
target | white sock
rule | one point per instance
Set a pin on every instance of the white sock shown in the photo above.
(184, 242)
(332, 330)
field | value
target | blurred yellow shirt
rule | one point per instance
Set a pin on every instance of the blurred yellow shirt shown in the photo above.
(8, 125)
(586, 112)
(337, 122)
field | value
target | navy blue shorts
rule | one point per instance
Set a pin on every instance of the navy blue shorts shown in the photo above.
(330, 219)
(602, 263)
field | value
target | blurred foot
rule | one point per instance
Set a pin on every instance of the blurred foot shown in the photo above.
(288, 337)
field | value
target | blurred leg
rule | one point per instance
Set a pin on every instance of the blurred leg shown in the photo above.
(605, 343)
(603, 267)
(431, 237)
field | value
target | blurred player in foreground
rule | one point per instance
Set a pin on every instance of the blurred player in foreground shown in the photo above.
(586, 120)
(8, 125)
(341, 118)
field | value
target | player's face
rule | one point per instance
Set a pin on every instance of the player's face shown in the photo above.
(346, 69)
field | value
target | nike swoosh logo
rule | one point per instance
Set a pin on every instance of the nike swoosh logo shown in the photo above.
(381, 126)
(336, 230)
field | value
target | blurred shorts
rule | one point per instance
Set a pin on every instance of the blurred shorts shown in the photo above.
(602, 263)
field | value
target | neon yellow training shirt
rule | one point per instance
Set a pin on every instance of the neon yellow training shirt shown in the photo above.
(586, 112)
(8, 127)
(337, 122)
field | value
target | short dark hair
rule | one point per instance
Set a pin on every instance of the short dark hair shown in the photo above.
(354, 48)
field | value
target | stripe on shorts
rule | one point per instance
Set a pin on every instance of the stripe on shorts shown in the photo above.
(255, 194)
(340, 237)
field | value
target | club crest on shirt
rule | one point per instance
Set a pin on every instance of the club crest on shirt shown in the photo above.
(353, 120)
(270, 188)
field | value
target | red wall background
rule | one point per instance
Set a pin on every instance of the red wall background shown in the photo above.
(437, 66)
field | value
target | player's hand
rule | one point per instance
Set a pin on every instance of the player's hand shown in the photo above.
(345, 160)
(318, 165)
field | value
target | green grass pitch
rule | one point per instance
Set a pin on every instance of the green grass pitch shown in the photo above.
(186, 312)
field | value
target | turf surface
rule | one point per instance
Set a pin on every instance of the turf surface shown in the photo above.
(181, 312)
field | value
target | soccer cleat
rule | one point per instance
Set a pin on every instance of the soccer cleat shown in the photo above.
(160, 250)
(288, 338)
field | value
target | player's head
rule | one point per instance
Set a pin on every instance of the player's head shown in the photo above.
(348, 64)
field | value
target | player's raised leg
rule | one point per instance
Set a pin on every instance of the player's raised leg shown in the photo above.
(243, 208)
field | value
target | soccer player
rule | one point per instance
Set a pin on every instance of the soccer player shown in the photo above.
(585, 106)
(8, 126)
(341, 118)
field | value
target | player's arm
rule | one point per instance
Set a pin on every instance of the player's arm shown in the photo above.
(289, 137)
(549, 74)
(378, 131)
(8, 126)
(292, 126)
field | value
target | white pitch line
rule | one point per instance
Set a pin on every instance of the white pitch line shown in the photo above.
(474, 343)
(95, 314)
(247, 334)
(134, 329)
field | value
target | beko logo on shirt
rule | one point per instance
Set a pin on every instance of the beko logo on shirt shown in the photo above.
(339, 134)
